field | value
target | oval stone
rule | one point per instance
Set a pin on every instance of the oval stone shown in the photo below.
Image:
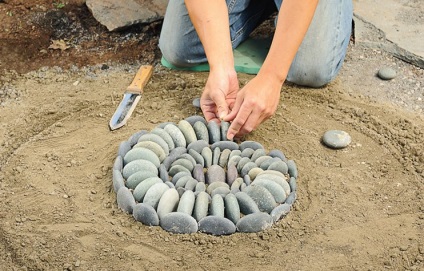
(215, 173)
(183, 181)
(250, 144)
(216, 225)
(291, 198)
(293, 184)
(170, 185)
(196, 102)
(224, 130)
(201, 131)
(201, 206)
(292, 168)
(217, 206)
(197, 157)
(125, 200)
(188, 131)
(246, 203)
(234, 160)
(134, 138)
(200, 187)
(243, 161)
(176, 134)
(254, 172)
(197, 145)
(142, 188)
(165, 136)
(138, 177)
(117, 180)
(118, 164)
(195, 118)
(153, 146)
(277, 179)
(263, 198)
(179, 223)
(248, 152)
(265, 165)
(232, 208)
(124, 147)
(280, 211)
(236, 184)
(254, 222)
(188, 157)
(386, 73)
(215, 156)
(277, 153)
(262, 159)
(163, 173)
(168, 202)
(247, 167)
(232, 174)
(256, 154)
(215, 185)
(198, 173)
(178, 168)
(214, 132)
(223, 158)
(336, 139)
(279, 166)
(191, 184)
(179, 175)
(207, 155)
(143, 154)
(157, 139)
(246, 180)
(222, 145)
(186, 204)
(183, 162)
(235, 153)
(154, 194)
(173, 155)
(222, 191)
(145, 214)
(138, 165)
(275, 189)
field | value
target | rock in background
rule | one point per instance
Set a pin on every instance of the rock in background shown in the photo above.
(116, 15)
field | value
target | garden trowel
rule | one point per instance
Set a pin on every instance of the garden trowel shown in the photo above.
(131, 97)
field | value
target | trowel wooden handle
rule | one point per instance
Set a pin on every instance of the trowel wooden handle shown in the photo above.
(140, 80)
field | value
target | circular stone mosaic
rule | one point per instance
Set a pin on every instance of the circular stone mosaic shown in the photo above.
(189, 177)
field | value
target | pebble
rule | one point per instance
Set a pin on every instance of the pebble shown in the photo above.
(197, 145)
(235, 153)
(200, 187)
(169, 184)
(265, 164)
(176, 169)
(207, 155)
(292, 183)
(233, 161)
(183, 181)
(250, 144)
(232, 208)
(163, 124)
(247, 152)
(232, 174)
(263, 198)
(179, 175)
(195, 118)
(276, 190)
(386, 73)
(173, 155)
(216, 225)
(198, 173)
(256, 154)
(225, 145)
(222, 191)
(142, 188)
(247, 180)
(134, 138)
(117, 180)
(157, 139)
(215, 185)
(214, 132)
(124, 147)
(291, 198)
(138, 177)
(119, 163)
(188, 157)
(179, 223)
(280, 211)
(215, 173)
(188, 131)
(336, 139)
(215, 156)
(163, 173)
(254, 222)
(201, 206)
(183, 162)
(217, 206)
(165, 136)
(125, 200)
(196, 102)
(262, 159)
(246, 203)
(201, 131)
(186, 203)
(154, 194)
(191, 184)
(236, 184)
(243, 161)
(145, 214)
(224, 130)
(247, 167)
(292, 168)
(223, 158)
(279, 166)
(275, 178)
(176, 134)
(168, 202)
(153, 146)
(142, 153)
(138, 165)
(197, 157)
(254, 172)
(277, 153)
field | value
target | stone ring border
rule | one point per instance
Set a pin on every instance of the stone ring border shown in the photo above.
(174, 177)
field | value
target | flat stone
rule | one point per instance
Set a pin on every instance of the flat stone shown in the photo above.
(197, 145)
(262, 159)
(198, 173)
(247, 167)
(183, 181)
(291, 198)
(196, 102)
(293, 184)
(222, 145)
(214, 132)
(246, 203)
(191, 184)
(134, 138)
(168, 202)
(275, 189)
(215, 185)
(279, 166)
(145, 214)
(142, 153)
(250, 144)
(179, 175)
(223, 158)
(235, 153)
(280, 211)
(248, 152)
(125, 200)
(173, 155)
(157, 139)
(256, 154)
(201, 206)
(232, 174)
(263, 198)
(280, 180)
(265, 164)
(165, 136)
(217, 206)
(216, 225)
(138, 165)
(254, 222)
(138, 177)
(183, 162)
(142, 188)
(243, 161)
(224, 130)
(186, 204)
(118, 164)
(117, 15)
(163, 173)
(188, 157)
(336, 139)
(277, 153)
(201, 131)
(153, 146)
(215, 173)
(207, 155)
(195, 118)
(292, 168)
(117, 180)
(197, 157)
(176, 134)
(215, 156)
(124, 147)
(178, 168)
(187, 131)
(179, 223)
(154, 194)
(232, 208)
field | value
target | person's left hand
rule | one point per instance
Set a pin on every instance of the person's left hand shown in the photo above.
(255, 102)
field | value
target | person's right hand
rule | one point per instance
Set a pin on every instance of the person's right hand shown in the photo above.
(219, 94)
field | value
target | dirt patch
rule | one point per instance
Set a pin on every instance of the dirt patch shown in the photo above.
(360, 208)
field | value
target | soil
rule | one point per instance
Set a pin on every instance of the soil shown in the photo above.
(360, 208)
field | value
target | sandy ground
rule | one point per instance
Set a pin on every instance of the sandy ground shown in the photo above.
(360, 208)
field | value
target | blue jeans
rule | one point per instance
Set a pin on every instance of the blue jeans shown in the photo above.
(317, 62)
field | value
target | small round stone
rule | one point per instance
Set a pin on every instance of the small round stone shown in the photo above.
(196, 102)
(154, 194)
(187, 131)
(176, 134)
(138, 177)
(386, 73)
(201, 206)
(246, 168)
(188, 157)
(145, 214)
(254, 222)
(243, 161)
(201, 131)
(215, 173)
(217, 206)
(247, 152)
(232, 208)
(214, 132)
(179, 223)
(195, 118)
(117, 180)
(280, 211)
(142, 188)
(336, 139)
(233, 161)
(141, 153)
(236, 184)
(246, 203)
(168, 202)
(207, 155)
(138, 165)
(264, 165)
(125, 200)
(186, 204)
(216, 225)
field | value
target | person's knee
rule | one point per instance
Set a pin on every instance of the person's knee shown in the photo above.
(174, 55)
(315, 76)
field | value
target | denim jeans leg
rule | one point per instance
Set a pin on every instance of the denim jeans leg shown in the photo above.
(179, 43)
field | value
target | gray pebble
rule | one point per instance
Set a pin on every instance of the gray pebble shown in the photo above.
(262, 159)
(173, 155)
(224, 130)
(236, 184)
(193, 119)
(275, 189)
(125, 200)
(176, 169)
(163, 173)
(215, 173)
(265, 164)
(154, 194)
(201, 131)
(246, 203)
(225, 145)
(386, 73)
(196, 102)
(200, 187)
(278, 153)
(197, 145)
(142, 188)
(188, 131)
(263, 198)
(134, 138)
(291, 198)
(222, 191)
(153, 146)
(181, 191)
(163, 124)
(124, 147)
(215, 156)
(217, 206)
(247, 167)
(254, 222)
(280, 211)
(191, 184)
(232, 208)
(117, 180)
(138, 165)
(183, 181)
(197, 157)
(247, 180)
(232, 174)
(336, 139)
(243, 161)
(235, 153)
(169, 184)
(223, 158)
(186, 204)
(145, 214)
(215, 185)
(256, 154)
(183, 162)
(216, 225)
(214, 132)
(233, 161)
(165, 136)
(188, 157)
(141, 153)
(138, 177)
(243, 186)
(254, 172)
(280, 180)
(292, 168)
(198, 173)
(176, 134)
(248, 152)
(293, 184)
(157, 139)
(207, 155)
(201, 206)
(250, 144)
(119, 163)
(179, 175)
(279, 166)
(179, 223)
(168, 202)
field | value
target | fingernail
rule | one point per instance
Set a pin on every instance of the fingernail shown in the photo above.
(222, 115)
(230, 136)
